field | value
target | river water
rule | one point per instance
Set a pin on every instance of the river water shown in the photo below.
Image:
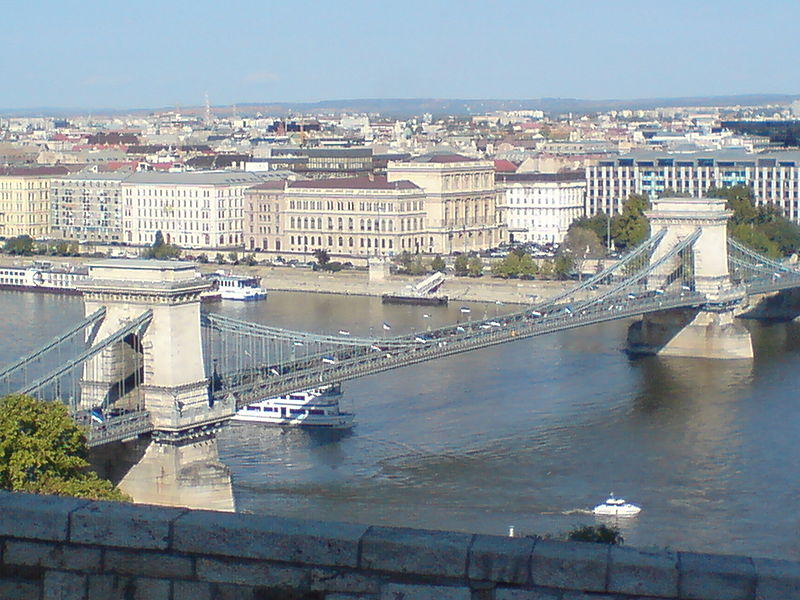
(528, 434)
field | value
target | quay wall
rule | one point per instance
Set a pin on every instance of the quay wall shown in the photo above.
(70, 549)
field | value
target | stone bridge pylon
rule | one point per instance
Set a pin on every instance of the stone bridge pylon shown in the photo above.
(707, 331)
(160, 368)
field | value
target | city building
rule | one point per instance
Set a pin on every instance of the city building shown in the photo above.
(198, 209)
(539, 207)
(316, 163)
(262, 210)
(358, 216)
(774, 177)
(460, 200)
(25, 200)
(87, 207)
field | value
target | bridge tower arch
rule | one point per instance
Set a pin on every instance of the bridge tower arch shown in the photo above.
(708, 331)
(165, 360)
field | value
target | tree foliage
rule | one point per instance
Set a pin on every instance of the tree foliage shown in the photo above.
(631, 227)
(475, 266)
(461, 265)
(22, 245)
(438, 264)
(42, 451)
(160, 250)
(600, 534)
(762, 228)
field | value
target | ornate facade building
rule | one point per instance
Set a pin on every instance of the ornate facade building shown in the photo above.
(460, 201)
(25, 200)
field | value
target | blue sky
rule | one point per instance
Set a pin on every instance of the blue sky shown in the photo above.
(93, 54)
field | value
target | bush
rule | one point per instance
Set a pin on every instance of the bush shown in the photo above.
(599, 534)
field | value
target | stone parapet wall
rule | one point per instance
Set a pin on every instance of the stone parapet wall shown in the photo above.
(71, 549)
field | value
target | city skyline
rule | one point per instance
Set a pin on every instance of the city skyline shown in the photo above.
(167, 55)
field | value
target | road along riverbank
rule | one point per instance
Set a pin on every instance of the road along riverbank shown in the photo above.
(304, 279)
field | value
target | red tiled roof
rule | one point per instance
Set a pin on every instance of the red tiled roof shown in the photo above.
(354, 183)
(504, 166)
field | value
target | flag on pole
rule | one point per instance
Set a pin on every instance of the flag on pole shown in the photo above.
(97, 416)
(386, 326)
(328, 360)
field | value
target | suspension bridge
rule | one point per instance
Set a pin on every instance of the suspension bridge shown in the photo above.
(146, 359)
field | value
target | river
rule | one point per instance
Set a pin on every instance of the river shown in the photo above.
(528, 434)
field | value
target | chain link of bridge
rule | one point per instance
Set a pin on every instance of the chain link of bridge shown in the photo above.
(146, 359)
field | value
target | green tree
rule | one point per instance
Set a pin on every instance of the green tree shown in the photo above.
(233, 257)
(219, 259)
(563, 265)
(43, 451)
(461, 265)
(438, 264)
(600, 534)
(161, 250)
(631, 227)
(763, 228)
(475, 266)
(22, 245)
(322, 256)
(597, 223)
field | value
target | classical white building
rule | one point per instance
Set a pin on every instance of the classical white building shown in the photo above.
(539, 207)
(201, 210)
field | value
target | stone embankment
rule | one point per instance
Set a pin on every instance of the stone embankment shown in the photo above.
(303, 279)
(73, 549)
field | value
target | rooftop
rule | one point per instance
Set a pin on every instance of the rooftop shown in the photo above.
(354, 183)
(194, 178)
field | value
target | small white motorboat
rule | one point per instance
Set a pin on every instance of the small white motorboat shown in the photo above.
(616, 507)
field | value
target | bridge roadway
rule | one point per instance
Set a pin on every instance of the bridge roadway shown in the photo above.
(353, 362)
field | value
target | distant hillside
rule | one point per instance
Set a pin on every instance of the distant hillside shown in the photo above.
(394, 107)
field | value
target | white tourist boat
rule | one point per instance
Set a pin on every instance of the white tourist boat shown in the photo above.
(317, 407)
(228, 286)
(616, 507)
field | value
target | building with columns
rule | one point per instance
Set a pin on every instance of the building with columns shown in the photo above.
(540, 207)
(25, 200)
(195, 210)
(460, 200)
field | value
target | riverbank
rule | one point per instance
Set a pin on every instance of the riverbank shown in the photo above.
(357, 283)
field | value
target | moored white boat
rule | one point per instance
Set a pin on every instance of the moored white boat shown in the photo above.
(616, 507)
(317, 407)
(234, 287)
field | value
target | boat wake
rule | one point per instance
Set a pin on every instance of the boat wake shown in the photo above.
(577, 511)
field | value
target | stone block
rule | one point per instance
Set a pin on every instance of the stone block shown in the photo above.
(191, 590)
(60, 585)
(715, 577)
(151, 589)
(106, 587)
(17, 589)
(267, 537)
(148, 564)
(495, 558)
(399, 591)
(401, 550)
(570, 565)
(248, 572)
(66, 557)
(36, 517)
(777, 579)
(642, 572)
(518, 594)
(123, 525)
(328, 579)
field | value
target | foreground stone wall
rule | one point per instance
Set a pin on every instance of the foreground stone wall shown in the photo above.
(68, 549)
